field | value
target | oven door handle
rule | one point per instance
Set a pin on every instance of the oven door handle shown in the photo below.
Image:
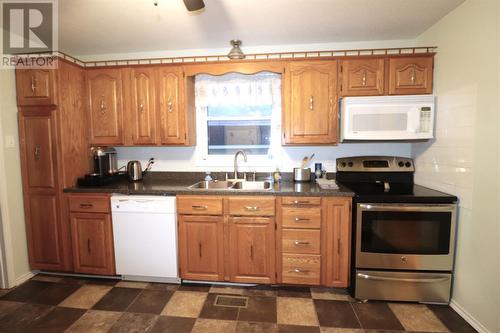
(408, 208)
(385, 278)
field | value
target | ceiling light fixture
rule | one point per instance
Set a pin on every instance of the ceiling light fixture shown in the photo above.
(236, 52)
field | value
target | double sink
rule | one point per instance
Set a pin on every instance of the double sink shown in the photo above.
(232, 185)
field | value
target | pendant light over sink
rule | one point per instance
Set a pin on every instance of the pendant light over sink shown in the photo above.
(236, 52)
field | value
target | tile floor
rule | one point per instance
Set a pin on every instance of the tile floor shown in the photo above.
(66, 304)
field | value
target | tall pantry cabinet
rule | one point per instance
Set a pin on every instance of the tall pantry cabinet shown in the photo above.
(54, 152)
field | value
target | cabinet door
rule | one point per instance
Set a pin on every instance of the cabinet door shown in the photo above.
(104, 89)
(310, 99)
(35, 87)
(92, 237)
(42, 229)
(37, 130)
(252, 250)
(410, 75)
(201, 247)
(142, 108)
(336, 237)
(172, 112)
(362, 77)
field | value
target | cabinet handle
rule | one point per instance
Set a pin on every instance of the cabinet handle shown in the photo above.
(298, 242)
(251, 252)
(33, 84)
(197, 207)
(298, 270)
(86, 205)
(37, 153)
(88, 245)
(199, 249)
(141, 107)
(301, 202)
(301, 219)
(412, 78)
(169, 105)
(311, 103)
(102, 107)
(252, 208)
(363, 79)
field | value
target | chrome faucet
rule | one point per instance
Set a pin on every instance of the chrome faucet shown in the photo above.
(236, 162)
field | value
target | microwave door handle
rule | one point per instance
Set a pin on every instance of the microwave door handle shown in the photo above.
(392, 279)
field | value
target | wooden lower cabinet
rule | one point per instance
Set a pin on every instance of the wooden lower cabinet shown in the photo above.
(92, 237)
(294, 240)
(251, 249)
(336, 239)
(201, 247)
(92, 234)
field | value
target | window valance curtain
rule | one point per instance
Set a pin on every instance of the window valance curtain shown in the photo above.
(237, 89)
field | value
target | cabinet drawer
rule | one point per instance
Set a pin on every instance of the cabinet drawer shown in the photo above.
(301, 269)
(196, 205)
(301, 241)
(251, 206)
(301, 201)
(301, 217)
(94, 204)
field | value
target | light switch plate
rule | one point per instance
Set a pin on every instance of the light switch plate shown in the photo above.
(10, 141)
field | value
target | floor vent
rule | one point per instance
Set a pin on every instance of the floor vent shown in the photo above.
(231, 301)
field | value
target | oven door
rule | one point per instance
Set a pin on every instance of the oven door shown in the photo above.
(405, 236)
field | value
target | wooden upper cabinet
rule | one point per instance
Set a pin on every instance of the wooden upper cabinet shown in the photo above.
(336, 237)
(410, 75)
(363, 77)
(252, 250)
(104, 89)
(142, 106)
(310, 103)
(37, 131)
(92, 237)
(35, 87)
(172, 113)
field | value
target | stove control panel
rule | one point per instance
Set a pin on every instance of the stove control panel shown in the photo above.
(375, 164)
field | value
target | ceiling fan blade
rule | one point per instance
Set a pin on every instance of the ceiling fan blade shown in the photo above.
(194, 5)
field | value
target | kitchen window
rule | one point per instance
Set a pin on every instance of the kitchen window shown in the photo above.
(238, 112)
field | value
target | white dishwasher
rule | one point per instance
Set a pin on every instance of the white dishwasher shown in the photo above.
(145, 237)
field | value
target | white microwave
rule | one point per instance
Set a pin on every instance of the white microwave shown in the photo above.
(387, 118)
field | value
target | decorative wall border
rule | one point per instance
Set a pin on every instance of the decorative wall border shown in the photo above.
(255, 56)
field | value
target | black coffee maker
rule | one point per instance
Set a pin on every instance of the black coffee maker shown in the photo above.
(103, 161)
(104, 168)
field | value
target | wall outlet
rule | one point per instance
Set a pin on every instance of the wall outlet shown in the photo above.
(10, 141)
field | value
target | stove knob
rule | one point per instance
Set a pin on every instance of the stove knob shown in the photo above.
(350, 164)
(343, 164)
(408, 164)
(401, 164)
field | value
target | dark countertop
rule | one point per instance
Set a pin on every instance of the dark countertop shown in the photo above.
(173, 183)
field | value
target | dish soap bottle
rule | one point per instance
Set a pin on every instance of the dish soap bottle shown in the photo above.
(277, 176)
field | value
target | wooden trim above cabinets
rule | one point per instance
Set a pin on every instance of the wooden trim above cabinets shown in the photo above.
(235, 67)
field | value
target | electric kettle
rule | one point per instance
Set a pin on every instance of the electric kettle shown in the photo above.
(134, 170)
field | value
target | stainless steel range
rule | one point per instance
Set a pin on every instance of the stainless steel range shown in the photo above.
(404, 234)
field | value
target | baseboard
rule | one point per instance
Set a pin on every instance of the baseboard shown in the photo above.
(23, 278)
(468, 317)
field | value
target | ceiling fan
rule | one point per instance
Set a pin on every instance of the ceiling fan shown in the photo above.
(194, 5)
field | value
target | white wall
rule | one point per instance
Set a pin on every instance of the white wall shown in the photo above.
(464, 157)
(11, 199)
(184, 159)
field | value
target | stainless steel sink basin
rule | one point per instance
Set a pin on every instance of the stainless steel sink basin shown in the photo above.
(252, 186)
(230, 185)
(212, 185)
